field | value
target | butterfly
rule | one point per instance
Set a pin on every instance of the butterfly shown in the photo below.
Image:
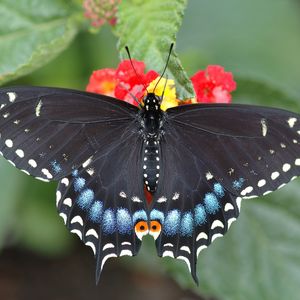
(199, 161)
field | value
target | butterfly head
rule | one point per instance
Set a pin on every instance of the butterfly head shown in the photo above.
(151, 102)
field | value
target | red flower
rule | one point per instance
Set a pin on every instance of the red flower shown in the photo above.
(213, 85)
(103, 82)
(131, 83)
(123, 83)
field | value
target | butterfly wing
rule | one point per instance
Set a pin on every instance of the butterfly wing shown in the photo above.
(212, 156)
(103, 202)
(46, 132)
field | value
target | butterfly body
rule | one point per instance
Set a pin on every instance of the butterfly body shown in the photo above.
(151, 120)
(200, 161)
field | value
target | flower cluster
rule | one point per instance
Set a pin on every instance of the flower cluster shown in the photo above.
(101, 11)
(212, 85)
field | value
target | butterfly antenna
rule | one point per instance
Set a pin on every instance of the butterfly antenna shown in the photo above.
(165, 68)
(136, 73)
(163, 93)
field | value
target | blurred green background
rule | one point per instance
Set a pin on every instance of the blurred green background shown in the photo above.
(259, 258)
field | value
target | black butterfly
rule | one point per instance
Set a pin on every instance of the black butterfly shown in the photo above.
(198, 161)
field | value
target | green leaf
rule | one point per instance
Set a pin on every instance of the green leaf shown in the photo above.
(40, 228)
(34, 32)
(148, 28)
(11, 188)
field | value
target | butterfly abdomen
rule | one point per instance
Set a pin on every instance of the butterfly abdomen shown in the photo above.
(151, 164)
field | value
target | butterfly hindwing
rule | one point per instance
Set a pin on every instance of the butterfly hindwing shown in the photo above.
(103, 202)
(192, 210)
(46, 132)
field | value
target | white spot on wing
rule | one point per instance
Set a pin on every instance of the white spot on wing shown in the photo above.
(286, 167)
(58, 197)
(261, 183)
(239, 202)
(168, 253)
(209, 176)
(186, 249)
(65, 181)
(202, 235)
(161, 199)
(264, 127)
(230, 221)
(136, 199)
(274, 175)
(47, 173)
(9, 143)
(186, 261)
(92, 246)
(106, 258)
(108, 246)
(20, 153)
(175, 196)
(125, 252)
(126, 243)
(291, 122)
(77, 219)
(32, 163)
(123, 194)
(38, 108)
(216, 235)
(92, 232)
(78, 232)
(217, 223)
(87, 162)
(11, 96)
(297, 162)
(64, 216)
(247, 190)
(228, 206)
(202, 247)
(68, 202)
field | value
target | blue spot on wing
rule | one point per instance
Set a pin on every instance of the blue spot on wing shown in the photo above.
(157, 215)
(75, 172)
(172, 222)
(79, 183)
(96, 212)
(139, 215)
(187, 224)
(237, 184)
(85, 198)
(219, 190)
(55, 166)
(124, 222)
(211, 203)
(200, 214)
(108, 221)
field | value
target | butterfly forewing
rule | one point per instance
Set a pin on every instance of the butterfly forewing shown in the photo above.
(250, 150)
(47, 132)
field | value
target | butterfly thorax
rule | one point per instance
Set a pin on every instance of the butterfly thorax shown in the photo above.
(151, 123)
